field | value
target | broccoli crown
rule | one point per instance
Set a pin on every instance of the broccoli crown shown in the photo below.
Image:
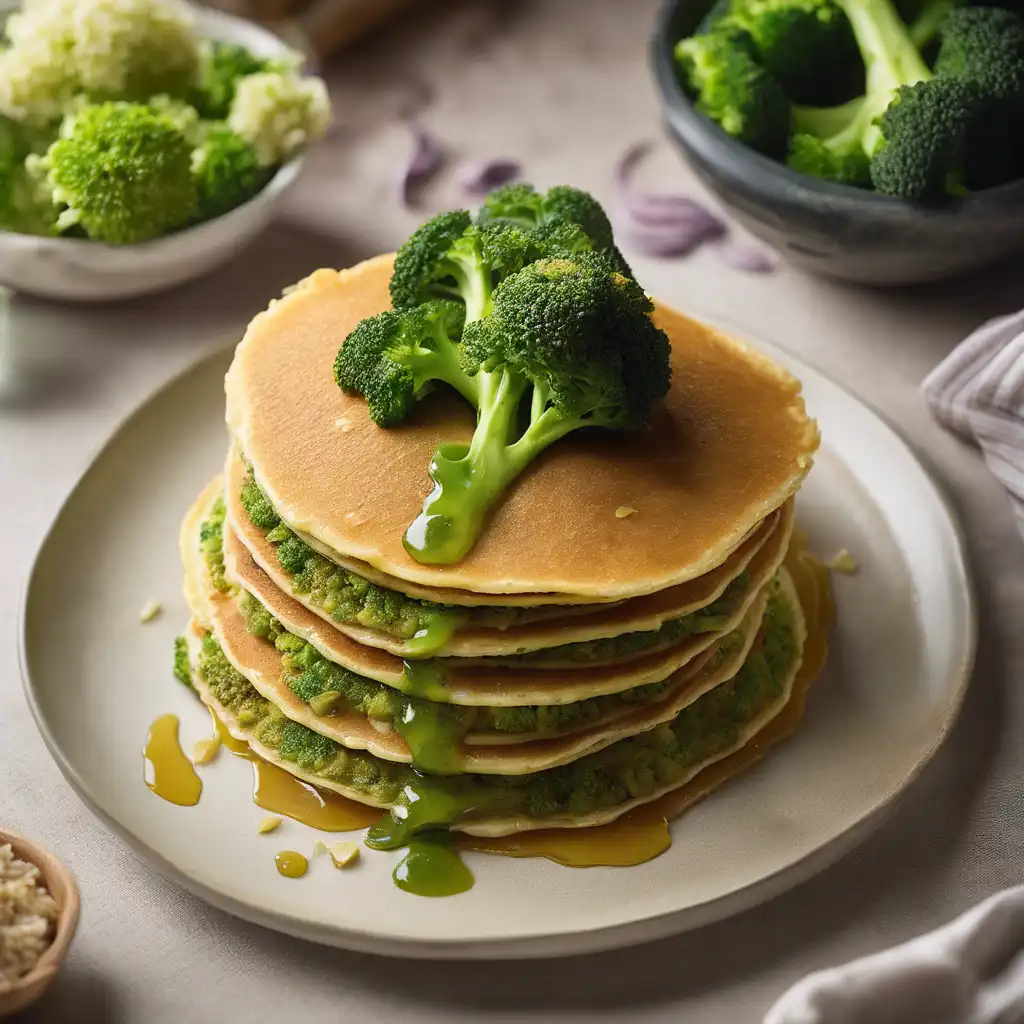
(808, 45)
(984, 45)
(845, 163)
(123, 173)
(221, 65)
(279, 112)
(24, 206)
(581, 333)
(722, 71)
(924, 133)
(547, 214)
(393, 358)
(571, 340)
(451, 258)
(227, 172)
(128, 49)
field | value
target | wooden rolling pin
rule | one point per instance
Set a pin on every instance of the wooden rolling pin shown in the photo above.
(319, 27)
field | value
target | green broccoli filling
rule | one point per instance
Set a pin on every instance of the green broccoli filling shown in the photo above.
(211, 544)
(630, 769)
(345, 596)
(349, 598)
(431, 729)
(609, 650)
(182, 665)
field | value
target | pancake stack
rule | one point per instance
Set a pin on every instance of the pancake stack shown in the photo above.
(625, 621)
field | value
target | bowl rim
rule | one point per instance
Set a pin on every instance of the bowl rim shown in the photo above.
(210, 24)
(802, 189)
(68, 911)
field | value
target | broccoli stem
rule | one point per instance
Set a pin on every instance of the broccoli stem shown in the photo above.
(825, 122)
(468, 479)
(442, 363)
(927, 24)
(890, 58)
(473, 279)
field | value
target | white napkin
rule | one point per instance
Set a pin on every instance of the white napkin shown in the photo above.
(969, 972)
(978, 392)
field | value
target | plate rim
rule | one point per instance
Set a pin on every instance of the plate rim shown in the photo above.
(567, 942)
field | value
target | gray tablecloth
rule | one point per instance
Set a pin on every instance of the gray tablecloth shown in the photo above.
(146, 951)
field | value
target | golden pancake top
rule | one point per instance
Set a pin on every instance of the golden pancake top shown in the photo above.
(729, 445)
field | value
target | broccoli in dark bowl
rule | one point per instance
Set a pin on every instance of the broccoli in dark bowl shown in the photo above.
(938, 104)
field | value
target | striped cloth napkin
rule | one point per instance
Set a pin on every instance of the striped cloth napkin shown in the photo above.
(969, 972)
(977, 391)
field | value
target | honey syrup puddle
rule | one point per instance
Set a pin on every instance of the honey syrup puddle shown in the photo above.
(168, 772)
(280, 793)
(432, 865)
(291, 864)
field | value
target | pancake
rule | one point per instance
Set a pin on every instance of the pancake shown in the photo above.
(596, 789)
(730, 444)
(363, 715)
(449, 680)
(253, 562)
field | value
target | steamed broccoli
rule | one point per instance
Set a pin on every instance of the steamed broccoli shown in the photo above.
(807, 45)
(221, 65)
(104, 49)
(722, 70)
(122, 173)
(570, 339)
(918, 132)
(892, 61)
(24, 206)
(984, 48)
(278, 113)
(227, 172)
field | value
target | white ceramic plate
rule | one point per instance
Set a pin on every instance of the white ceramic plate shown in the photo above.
(96, 679)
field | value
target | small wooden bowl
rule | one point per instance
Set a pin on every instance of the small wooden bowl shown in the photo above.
(60, 884)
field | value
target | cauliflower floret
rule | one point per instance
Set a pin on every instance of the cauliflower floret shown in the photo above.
(279, 113)
(129, 49)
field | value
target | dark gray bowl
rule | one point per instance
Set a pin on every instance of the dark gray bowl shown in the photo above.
(822, 227)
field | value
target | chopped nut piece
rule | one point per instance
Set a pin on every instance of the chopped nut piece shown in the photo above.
(842, 561)
(150, 610)
(383, 727)
(624, 510)
(319, 847)
(344, 425)
(268, 824)
(205, 750)
(344, 854)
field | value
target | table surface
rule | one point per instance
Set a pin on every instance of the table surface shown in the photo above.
(567, 95)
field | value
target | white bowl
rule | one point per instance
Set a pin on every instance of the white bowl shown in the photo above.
(78, 270)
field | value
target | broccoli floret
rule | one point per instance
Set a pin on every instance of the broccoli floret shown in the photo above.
(227, 172)
(278, 113)
(104, 49)
(25, 204)
(924, 133)
(548, 213)
(719, 10)
(123, 174)
(393, 359)
(571, 340)
(221, 65)
(451, 258)
(807, 45)
(984, 47)
(723, 73)
(839, 143)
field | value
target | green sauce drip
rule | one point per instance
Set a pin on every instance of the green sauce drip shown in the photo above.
(436, 630)
(426, 679)
(432, 868)
(433, 734)
(422, 806)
